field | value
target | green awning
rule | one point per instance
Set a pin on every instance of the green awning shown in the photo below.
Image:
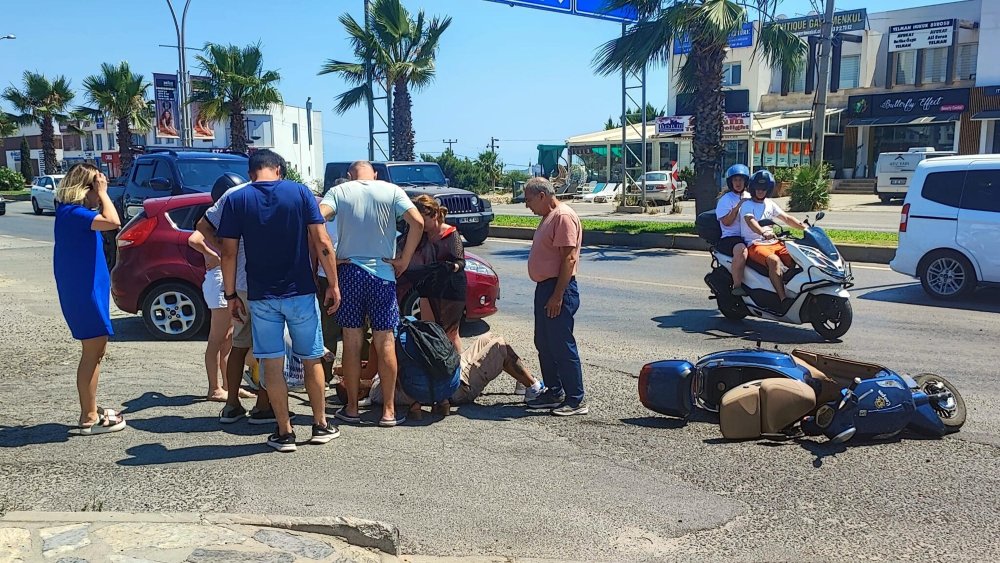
(548, 157)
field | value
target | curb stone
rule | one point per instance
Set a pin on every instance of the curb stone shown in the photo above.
(850, 252)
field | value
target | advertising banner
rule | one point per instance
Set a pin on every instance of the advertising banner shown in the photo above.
(925, 35)
(770, 153)
(921, 103)
(167, 111)
(758, 147)
(847, 20)
(202, 128)
(741, 38)
(783, 154)
(806, 154)
(684, 124)
(795, 156)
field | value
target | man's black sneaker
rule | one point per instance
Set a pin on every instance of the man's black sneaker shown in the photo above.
(568, 410)
(231, 414)
(282, 443)
(547, 400)
(323, 434)
(262, 417)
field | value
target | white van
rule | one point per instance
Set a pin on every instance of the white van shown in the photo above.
(894, 170)
(950, 225)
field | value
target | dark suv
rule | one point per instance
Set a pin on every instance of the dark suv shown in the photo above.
(169, 172)
(466, 211)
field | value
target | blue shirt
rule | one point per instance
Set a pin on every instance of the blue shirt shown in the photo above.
(272, 218)
(367, 212)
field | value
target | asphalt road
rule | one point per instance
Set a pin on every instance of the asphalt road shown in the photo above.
(619, 484)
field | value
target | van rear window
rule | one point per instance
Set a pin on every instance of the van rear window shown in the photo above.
(944, 187)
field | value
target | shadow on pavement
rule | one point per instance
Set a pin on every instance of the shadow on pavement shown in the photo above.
(656, 422)
(711, 323)
(498, 412)
(132, 329)
(48, 433)
(597, 253)
(985, 299)
(187, 425)
(158, 454)
(153, 399)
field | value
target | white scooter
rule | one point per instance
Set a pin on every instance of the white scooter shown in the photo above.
(816, 285)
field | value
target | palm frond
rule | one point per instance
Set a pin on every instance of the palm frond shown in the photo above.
(352, 98)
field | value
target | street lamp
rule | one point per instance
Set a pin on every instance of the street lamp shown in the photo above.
(182, 70)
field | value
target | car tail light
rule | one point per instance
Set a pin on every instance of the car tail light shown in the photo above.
(904, 218)
(137, 232)
(644, 384)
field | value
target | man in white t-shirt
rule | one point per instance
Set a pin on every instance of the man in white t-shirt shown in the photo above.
(763, 247)
(367, 211)
(727, 211)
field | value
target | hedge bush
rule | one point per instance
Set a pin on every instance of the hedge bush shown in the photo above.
(10, 181)
(810, 188)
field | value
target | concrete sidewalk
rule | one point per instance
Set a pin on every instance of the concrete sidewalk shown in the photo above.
(196, 538)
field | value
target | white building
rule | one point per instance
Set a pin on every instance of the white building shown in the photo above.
(292, 132)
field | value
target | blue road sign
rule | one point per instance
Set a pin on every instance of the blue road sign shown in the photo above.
(595, 9)
(742, 38)
(565, 6)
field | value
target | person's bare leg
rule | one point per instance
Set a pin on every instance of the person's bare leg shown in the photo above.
(774, 272)
(739, 264)
(385, 344)
(234, 374)
(88, 371)
(227, 348)
(219, 333)
(513, 365)
(316, 389)
(276, 387)
(352, 368)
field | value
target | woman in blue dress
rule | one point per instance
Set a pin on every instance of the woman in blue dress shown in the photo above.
(83, 283)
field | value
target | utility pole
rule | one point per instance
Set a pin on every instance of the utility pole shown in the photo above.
(493, 146)
(449, 142)
(819, 108)
(369, 79)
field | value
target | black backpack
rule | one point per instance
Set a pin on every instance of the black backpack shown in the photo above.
(429, 365)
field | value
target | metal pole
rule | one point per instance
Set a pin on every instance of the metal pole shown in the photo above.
(643, 159)
(186, 85)
(182, 116)
(624, 126)
(819, 110)
(369, 78)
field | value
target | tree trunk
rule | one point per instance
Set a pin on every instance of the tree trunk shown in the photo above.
(49, 146)
(402, 122)
(238, 129)
(709, 113)
(26, 170)
(124, 143)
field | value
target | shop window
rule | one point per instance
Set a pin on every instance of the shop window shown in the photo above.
(595, 159)
(982, 190)
(943, 187)
(798, 82)
(795, 131)
(935, 65)
(968, 53)
(111, 141)
(668, 155)
(99, 141)
(732, 74)
(850, 71)
(834, 124)
(906, 67)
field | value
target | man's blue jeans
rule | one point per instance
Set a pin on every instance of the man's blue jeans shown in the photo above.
(557, 353)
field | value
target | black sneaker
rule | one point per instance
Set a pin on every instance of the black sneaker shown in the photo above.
(231, 414)
(323, 434)
(547, 400)
(568, 410)
(262, 417)
(282, 443)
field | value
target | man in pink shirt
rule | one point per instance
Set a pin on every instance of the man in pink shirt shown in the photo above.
(552, 264)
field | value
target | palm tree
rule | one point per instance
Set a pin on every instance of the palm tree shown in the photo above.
(237, 83)
(402, 53)
(7, 125)
(708, 24)
(43, 102)
(120, 93)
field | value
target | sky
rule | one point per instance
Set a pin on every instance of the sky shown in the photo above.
(521, 75)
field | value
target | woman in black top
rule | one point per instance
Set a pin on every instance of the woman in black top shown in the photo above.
(437, 270)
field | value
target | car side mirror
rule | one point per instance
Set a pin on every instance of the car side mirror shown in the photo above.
(447, 182)
(160, 184)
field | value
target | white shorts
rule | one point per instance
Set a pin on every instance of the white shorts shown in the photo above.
(211, 289)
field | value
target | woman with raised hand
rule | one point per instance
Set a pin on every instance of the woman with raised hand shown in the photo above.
(83, 211)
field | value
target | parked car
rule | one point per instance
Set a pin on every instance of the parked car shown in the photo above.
(470, 214)
(894, 170)
(159, 276)
(661, 188)
(43, 193)
(950, 225)
(603, 193)
(3, 206)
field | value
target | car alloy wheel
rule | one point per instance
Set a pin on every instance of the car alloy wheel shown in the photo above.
(945, 276)
(174, 311)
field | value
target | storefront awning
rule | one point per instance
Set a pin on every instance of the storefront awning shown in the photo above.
(904, 120)
(990, 114)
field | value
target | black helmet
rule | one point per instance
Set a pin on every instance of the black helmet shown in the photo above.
(224, 183)
(737, 170)
(761, 179)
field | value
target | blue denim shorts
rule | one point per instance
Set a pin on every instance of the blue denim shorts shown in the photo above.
(300, 313)
(365, 295)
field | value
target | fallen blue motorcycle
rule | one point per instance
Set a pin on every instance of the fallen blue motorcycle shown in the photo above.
(761, 392)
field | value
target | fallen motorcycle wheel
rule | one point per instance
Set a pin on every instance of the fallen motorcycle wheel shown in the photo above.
(952, 418)
(831, 316)
(731, 307)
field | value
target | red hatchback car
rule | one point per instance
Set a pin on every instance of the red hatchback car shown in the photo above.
(159, 275)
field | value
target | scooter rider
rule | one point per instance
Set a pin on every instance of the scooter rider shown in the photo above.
(764, 248)
(727, 210)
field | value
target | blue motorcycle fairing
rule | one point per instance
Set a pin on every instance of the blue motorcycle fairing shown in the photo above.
(665, 387)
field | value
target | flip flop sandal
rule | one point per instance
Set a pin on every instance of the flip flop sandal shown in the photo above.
(341, 414)
(389, 423)
(107, 421)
